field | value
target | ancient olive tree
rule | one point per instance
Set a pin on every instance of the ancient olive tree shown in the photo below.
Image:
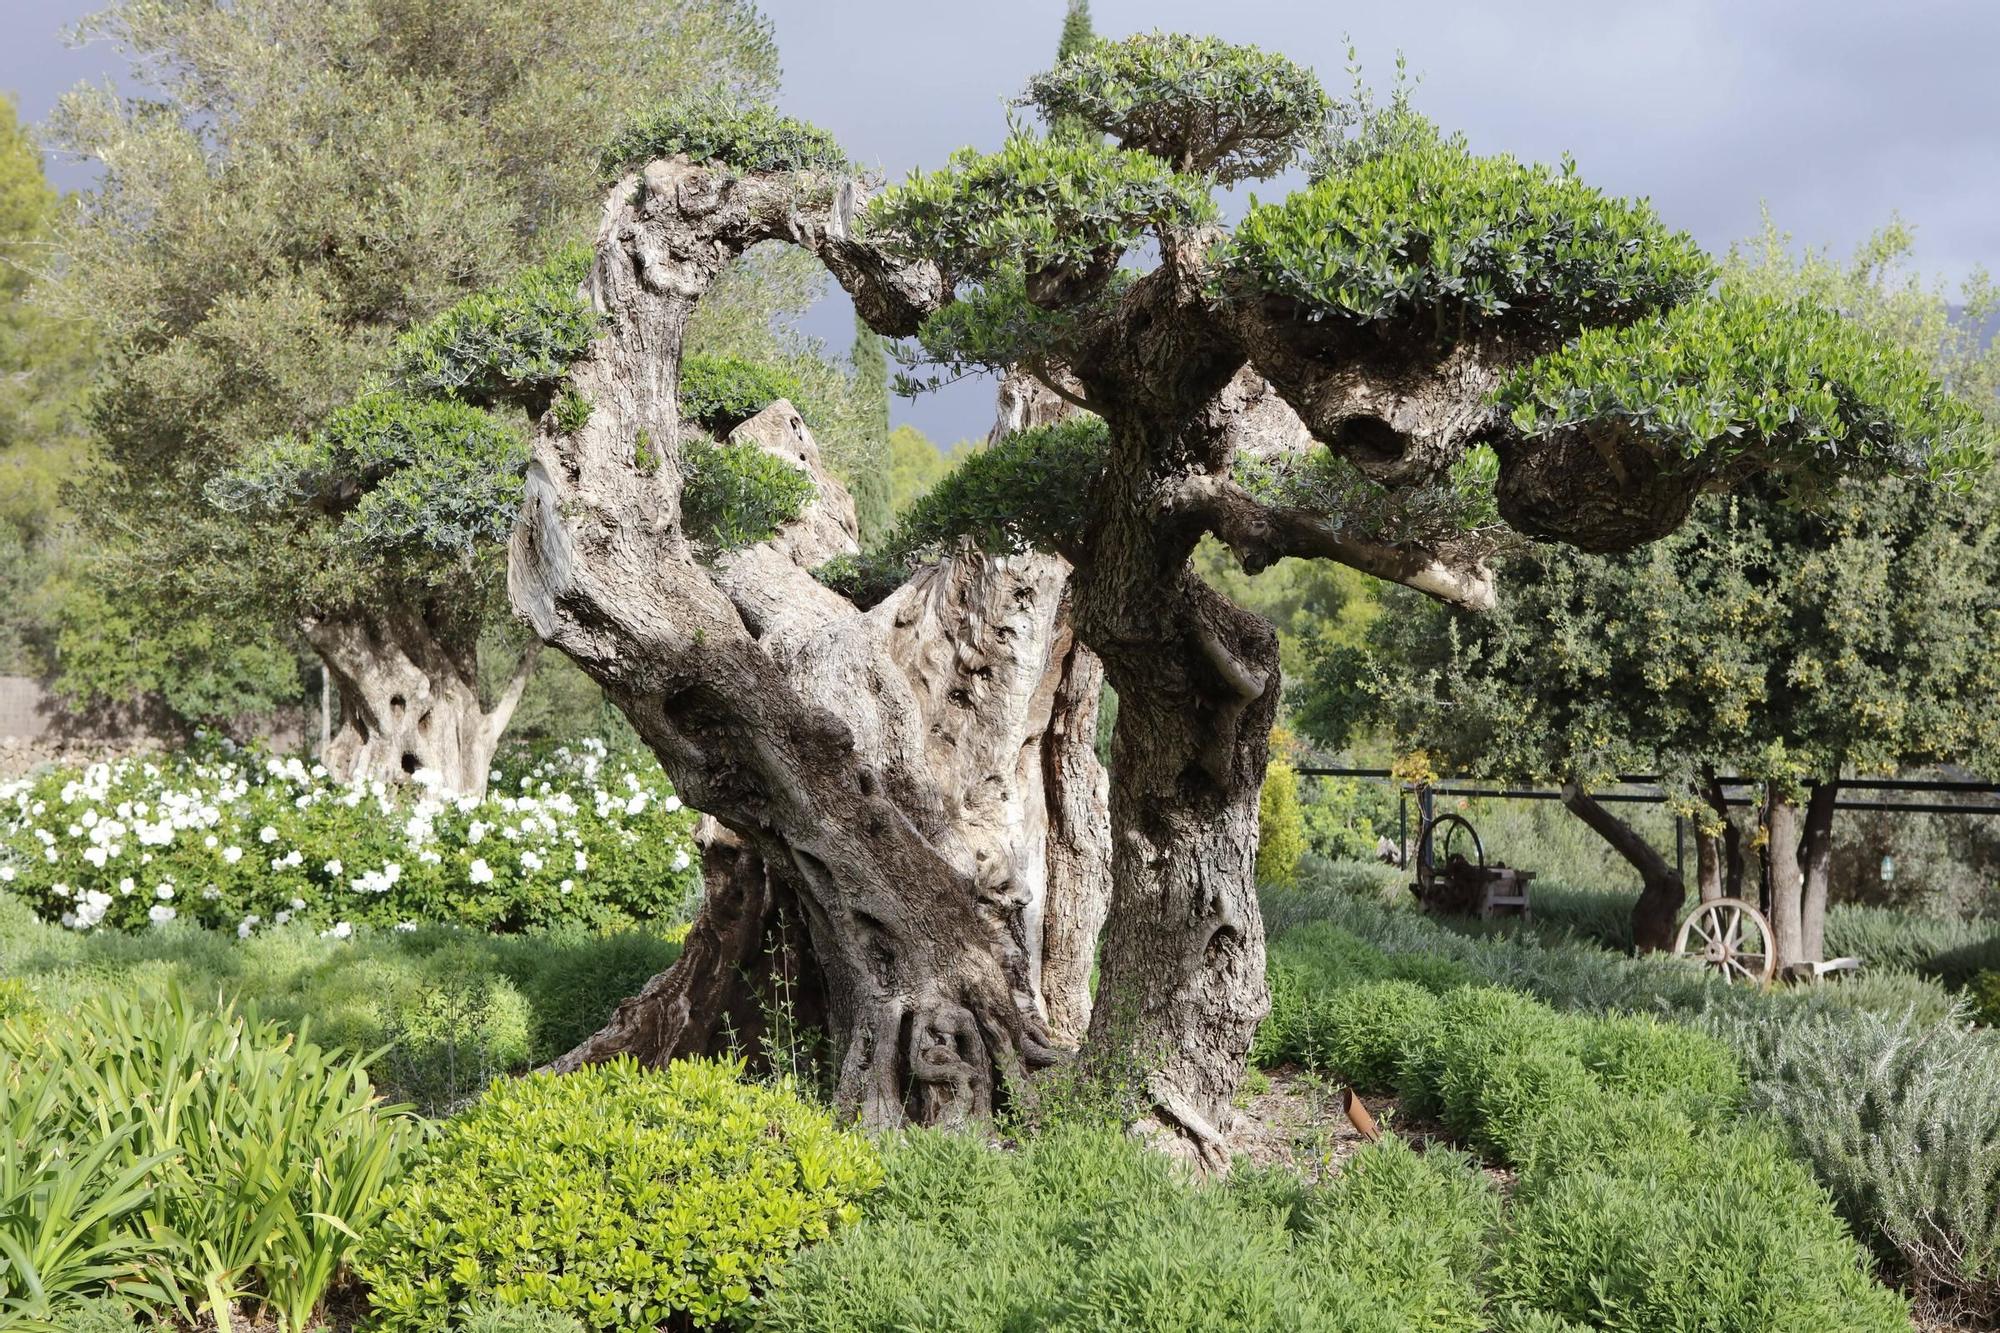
(386, 525)
(1792, 643)
(292, 183)
(1380, 369)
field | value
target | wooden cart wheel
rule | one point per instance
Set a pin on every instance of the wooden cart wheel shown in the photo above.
(1732, 937)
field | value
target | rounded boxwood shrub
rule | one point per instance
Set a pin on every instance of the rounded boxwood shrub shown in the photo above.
(1654, 1061)
(1370, 1025)
(625, 1196)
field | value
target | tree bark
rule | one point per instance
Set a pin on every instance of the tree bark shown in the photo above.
(1816, 869)
(1182, 975)
(745, 960)
(1079, 843)
(1661, 895)
(408, 681)
(1724, 850)
(1781, 852)
(891, 771)
(1709, 866)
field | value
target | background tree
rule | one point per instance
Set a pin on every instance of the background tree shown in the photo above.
(1791, 643)
(1378, 370)
(915, 465)
(44, 367)
(298, 182)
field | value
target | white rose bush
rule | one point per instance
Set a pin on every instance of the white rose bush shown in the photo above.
(573, 835)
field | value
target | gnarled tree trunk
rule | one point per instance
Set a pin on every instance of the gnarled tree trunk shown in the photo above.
(1661, 892)
(408, 681)
(886, 777)
(1799, 855)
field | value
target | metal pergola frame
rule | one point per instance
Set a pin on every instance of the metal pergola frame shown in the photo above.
(1658, 796)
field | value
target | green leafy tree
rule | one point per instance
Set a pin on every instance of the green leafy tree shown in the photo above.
(915, 465)
(1795, 644)
(1420, 351)
(870, 360)
(297, 183)
(44, 366)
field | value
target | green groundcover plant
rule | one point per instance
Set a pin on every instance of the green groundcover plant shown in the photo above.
(627, 1197)
(1642, 1199)
(448, 1008)
(247, 843)
(1876, 1083)
(1086, 1230)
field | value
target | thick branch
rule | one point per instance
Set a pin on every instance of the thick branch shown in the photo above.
(1260, 535)
(503, 708)
(1661, 892)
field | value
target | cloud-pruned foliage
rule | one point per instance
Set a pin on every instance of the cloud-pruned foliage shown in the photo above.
(1037, 204)
(1429, 231)
(720, 393)
(1806, 387)
(392, 473)
(1029, 491)
(511, 344)
(744, 139)
(736, 494)
(1204, 105)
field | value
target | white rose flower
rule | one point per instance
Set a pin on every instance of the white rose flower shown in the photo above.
(232, 854)
(6, 874)
(479, 872)
(681, 860)
(163, 891)
(267, 834)
(125, 886)
(406, 926)
(333, 867)
(159, 914)
(340, 931)
(582, 863)
(671, 804)
(246, 925)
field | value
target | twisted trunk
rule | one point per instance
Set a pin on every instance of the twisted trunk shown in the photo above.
(1182, 975)
(1661, 893)
(408, 681)
(885, 777)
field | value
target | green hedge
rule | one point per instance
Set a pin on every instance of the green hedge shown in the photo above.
(1625, 1133)
(624, 1196)
(1088, 1231)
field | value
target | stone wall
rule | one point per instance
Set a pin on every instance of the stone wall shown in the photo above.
(36, 729)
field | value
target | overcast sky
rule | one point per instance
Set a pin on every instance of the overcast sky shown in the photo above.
(1834, 114)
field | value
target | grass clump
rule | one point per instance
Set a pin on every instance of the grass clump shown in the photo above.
(183, 1157)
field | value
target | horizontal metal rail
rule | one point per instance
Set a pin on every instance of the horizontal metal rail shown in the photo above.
(1657, 796)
